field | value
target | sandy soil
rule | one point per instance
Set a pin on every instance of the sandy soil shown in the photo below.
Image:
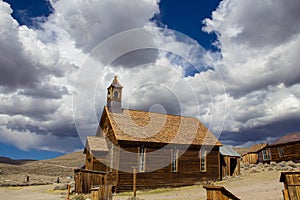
(261, 186)
(44, 192)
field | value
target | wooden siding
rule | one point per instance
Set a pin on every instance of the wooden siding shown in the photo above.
(219, 193)
(291, 182)
(250, 158)
(230, 166)
(291, 151)
(156, 176)
(103, 192)
(87, 179)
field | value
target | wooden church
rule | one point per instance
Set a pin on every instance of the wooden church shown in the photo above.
(164, 150)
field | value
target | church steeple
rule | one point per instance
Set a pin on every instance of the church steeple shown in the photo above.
(114, 96)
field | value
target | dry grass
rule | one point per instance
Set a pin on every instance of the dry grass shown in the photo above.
(41, 172)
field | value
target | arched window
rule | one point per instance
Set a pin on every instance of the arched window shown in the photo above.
(116, 94)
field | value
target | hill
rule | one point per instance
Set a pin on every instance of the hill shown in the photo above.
(41, 171)
(10, 161)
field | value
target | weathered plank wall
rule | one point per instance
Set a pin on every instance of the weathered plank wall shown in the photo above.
(291, 182)
(219, 193)
(250, 158)
(86, 179)
(103, 192)
(156, 175)
(291, 151)
(228, 167)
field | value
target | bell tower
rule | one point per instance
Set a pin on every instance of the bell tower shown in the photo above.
(114, 96)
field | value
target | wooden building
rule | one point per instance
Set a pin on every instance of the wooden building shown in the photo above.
(252, 156)
(291, 181)
(165, 150)
(285, 148)
(230, 161)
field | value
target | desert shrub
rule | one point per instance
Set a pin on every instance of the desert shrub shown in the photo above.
(78, 197)
(134, 198)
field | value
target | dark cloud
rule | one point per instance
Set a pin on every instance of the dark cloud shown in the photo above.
(34, 108)
(16, 70)
(22, 127)
(264, 133)
(45, 91)
(137, 58)
(275, 23)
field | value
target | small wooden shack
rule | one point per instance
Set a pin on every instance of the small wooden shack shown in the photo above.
(252, 156)
(285, 148)
(291, 182)
(85, 180)
(230, 161)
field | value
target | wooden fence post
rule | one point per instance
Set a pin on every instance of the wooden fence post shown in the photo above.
(69, 188)
(134, 182)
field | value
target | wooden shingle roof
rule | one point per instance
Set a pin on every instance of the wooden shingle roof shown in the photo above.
(257, 147)
(96, 145)
(291, 137)
(134, 125)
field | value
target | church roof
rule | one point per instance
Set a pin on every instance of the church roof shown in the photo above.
(141, 126)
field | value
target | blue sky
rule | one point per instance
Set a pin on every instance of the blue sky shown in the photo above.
(250, 51)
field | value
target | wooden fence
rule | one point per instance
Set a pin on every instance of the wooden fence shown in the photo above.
(85, 180)
(291, 182)
(219, 193)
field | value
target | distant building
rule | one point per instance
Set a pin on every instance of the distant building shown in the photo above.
(285, 148)
(252, 156)
(181, 152)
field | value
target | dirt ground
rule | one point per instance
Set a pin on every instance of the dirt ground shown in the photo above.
(259, 186)
(31, 193)
(263, 185)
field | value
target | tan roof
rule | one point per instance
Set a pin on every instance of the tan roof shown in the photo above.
(257, 147)
(291, 137)
(133, 125)
(241, 151)
(94, 144)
